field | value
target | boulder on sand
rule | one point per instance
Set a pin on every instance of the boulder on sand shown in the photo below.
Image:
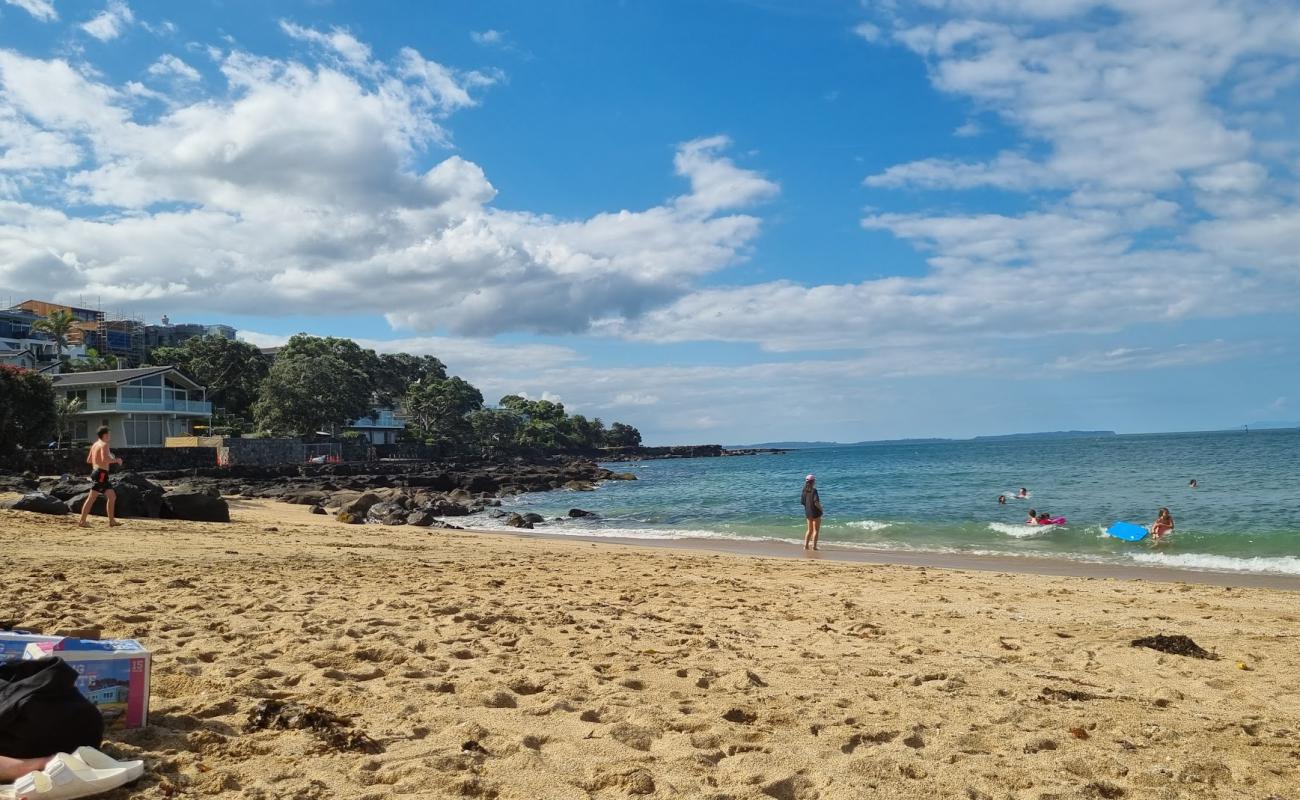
(534, 518)
(195, 504)
(38, 503)
(517, 521)
(136, 497)
(387, 514)
(359, 507)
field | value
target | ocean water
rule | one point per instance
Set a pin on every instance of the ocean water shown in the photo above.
(942, 497)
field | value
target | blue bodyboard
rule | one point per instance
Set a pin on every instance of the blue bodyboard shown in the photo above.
(1127, 531)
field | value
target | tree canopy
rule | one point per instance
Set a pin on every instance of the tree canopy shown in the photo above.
(314, 384)
(231, 370)
(27, 415)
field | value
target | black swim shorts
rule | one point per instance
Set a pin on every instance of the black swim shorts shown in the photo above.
(99, 481)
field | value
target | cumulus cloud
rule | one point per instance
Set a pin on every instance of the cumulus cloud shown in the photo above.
(111, 22)
(315, 186)
(41, 9)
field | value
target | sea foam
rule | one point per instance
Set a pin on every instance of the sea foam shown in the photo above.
(1021, 531)
(1276, 565)
(868, 525)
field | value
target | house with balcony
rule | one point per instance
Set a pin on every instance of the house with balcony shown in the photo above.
(142, 407)
(380, 426)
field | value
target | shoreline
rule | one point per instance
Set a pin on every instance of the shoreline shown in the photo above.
(957, 562)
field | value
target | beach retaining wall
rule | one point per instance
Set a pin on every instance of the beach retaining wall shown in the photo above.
(136, 459)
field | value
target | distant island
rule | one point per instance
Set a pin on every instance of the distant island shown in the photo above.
(1275, 424)
(877, 442)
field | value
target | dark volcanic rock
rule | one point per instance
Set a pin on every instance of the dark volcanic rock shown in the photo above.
(318, 510)
(39, 503)
(578, 512)
(360, 506)
(136, 496)
(517, 521)
(534, 518)
(387, 514)
(196, 504)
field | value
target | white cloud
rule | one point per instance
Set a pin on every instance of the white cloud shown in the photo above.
(338, 41)
(1008, 171)
(111, 22)
(869, 32)
(716, 182)
(41, 9)
(1148, 358)
(296, 188)
(968, 129)
(488, 37)
(170, 66)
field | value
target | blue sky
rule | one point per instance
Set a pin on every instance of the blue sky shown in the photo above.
(721, 221)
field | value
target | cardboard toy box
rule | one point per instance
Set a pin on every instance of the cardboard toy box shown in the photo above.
(114, 675)
(13, 644)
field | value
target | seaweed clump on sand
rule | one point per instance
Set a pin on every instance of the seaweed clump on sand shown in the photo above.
(1177, 645)
(329, 727)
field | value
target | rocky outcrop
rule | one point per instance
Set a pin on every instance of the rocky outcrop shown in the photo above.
(578, 513)
(196, 504)
(38, 503)
(518, 521)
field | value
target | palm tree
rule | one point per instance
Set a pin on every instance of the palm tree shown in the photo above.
(65, 411)
(58, 325)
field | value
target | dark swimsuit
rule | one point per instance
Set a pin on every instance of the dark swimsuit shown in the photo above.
(99, 481)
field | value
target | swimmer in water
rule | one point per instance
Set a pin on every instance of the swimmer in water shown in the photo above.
(1033, 517)
(1044, 518)
(1022, 494)
(1002, 499)
(1192, 484)
(1163, 525)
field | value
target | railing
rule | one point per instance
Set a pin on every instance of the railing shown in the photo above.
(166, 404)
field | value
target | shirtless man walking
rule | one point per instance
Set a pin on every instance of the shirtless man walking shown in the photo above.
(100, 459)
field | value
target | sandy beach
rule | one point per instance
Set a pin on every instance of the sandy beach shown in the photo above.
(497, 666)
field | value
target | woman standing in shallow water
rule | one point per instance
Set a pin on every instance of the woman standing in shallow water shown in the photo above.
(812, 511)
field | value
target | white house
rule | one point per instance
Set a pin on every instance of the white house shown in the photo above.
(142, 407)
(381, 426)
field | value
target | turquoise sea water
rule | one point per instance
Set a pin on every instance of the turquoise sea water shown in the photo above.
(1245, 515)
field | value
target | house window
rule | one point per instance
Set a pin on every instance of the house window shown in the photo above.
(108, 397)
(79, 394)
(81, 430)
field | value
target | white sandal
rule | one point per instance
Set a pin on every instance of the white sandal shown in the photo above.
(68, 777)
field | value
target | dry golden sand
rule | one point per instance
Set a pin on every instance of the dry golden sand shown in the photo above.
(604, 671)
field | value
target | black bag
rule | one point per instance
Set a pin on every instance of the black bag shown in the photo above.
(41, 711)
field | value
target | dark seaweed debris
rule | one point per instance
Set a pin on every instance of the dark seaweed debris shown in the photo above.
(329, 727)
(1177, 644)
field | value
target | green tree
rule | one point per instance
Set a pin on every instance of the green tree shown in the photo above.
(231, 370)
(496, 430)
(621, 435)
(581, 433)
(394, 374)
(310, 388)
(27, 418)
(66, 410)
(439, 410)
(59, 325)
